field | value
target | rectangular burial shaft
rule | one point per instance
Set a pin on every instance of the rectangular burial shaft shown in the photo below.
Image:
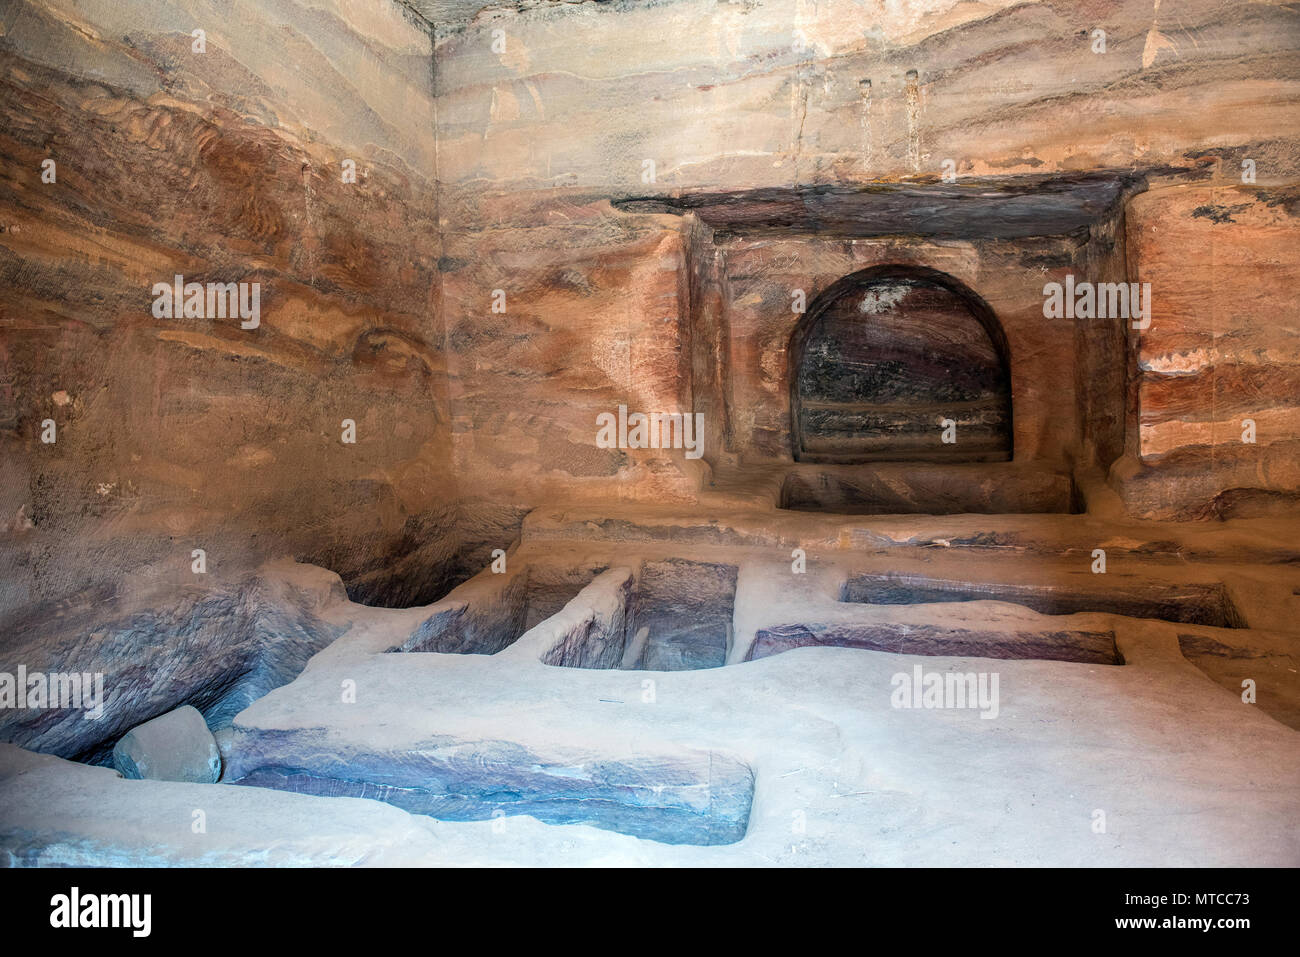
(677, 796)
(905, 638)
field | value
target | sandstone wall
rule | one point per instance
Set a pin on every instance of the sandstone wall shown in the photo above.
(224, 165)
(489, 167)
(770, 92)
(596, 313)
(1218, 373)
(545, 110)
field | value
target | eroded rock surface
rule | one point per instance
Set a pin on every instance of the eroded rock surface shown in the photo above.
(217, 648)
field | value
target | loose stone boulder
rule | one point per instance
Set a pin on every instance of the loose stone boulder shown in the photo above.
(176, 746)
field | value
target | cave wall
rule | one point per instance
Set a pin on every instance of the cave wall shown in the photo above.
(547, 110)
(225, 165)
(769, 92)
(1218, 373)
(489, 167)
(594, 312)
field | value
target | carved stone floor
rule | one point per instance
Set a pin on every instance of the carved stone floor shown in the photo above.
(649, 686)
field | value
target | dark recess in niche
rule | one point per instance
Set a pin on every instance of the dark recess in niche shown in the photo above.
(1186, 603)
(883, 356)
(430, 556)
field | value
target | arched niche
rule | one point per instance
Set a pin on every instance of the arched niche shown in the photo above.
(884, 357)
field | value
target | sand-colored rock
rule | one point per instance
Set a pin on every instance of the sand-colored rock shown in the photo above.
(372, 534)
